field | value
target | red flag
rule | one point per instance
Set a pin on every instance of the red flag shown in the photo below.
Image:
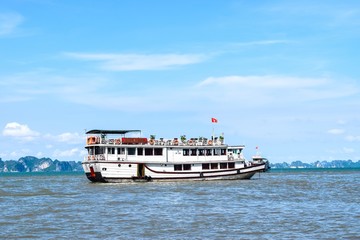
(214, 120)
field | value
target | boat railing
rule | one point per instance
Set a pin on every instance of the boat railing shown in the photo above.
(232, 157)
(95, 157)
(143, 141)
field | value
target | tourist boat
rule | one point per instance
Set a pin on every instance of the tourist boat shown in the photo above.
(114, 157)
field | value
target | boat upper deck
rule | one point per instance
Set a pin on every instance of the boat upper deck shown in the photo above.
(117, 137)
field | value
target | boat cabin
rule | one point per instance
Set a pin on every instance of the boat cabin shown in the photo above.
(118, 147)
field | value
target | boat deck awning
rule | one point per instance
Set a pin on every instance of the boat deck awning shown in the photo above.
(98, 131)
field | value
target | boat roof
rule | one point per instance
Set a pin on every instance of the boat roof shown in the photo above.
(98, 131)
(237, 146)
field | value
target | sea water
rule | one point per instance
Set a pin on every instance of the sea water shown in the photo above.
(288, 204)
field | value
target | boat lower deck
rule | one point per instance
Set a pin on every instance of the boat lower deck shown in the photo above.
(140, 172)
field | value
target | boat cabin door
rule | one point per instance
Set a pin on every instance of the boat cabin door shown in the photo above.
(140, 170)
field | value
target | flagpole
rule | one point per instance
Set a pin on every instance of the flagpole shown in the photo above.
(213, 137)
(213, 120)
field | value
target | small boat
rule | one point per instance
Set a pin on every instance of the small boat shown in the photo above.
(258, 159)
(115, 157)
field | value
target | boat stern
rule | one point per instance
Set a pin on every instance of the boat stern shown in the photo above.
(92, 173)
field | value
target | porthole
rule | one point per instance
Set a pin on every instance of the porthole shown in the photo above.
(129, 165)
(119, 165)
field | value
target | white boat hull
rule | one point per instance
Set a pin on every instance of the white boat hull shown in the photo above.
(103, 171)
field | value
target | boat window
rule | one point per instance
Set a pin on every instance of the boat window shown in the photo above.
(223, 151)
(236, 151)
(187, 166)
(193, 152)
(216, 151)
(149, 151)
(186, 152)
(223, 165)
(99, 150)
(205, 166)
(121, 151)
(208, 152)
(90, 150)
(231, 165)
(111, 150)
(140, 151)
(131, 151)
(177, 167)
(214, 166)
(201, 152)
(158, 151)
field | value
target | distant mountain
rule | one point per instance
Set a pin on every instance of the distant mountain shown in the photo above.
(318, 164)
(33, 164)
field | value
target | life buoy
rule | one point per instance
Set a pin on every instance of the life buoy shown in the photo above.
(151, 141)
(118, 141)
(176, 142)
(90, 140)
(210, 142)
(190, 142)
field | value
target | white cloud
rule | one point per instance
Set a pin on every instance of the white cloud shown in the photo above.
(73, 138)
(348, 150)
(341, 122)
(67, 137)
(347, 16)
(40, 154)
(19, 153)
(9, 22)
(260, 42)
(133, 62)
(14, 154)
(341, 151)
(351, 138)
(336, 131)
(18, 130)
(264, 81)
(83, 153)
(38, 84)
(223, 92)
(11, 99)
(270, 89)
(66, 153)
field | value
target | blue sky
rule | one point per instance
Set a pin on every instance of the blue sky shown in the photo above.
(281, 75)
